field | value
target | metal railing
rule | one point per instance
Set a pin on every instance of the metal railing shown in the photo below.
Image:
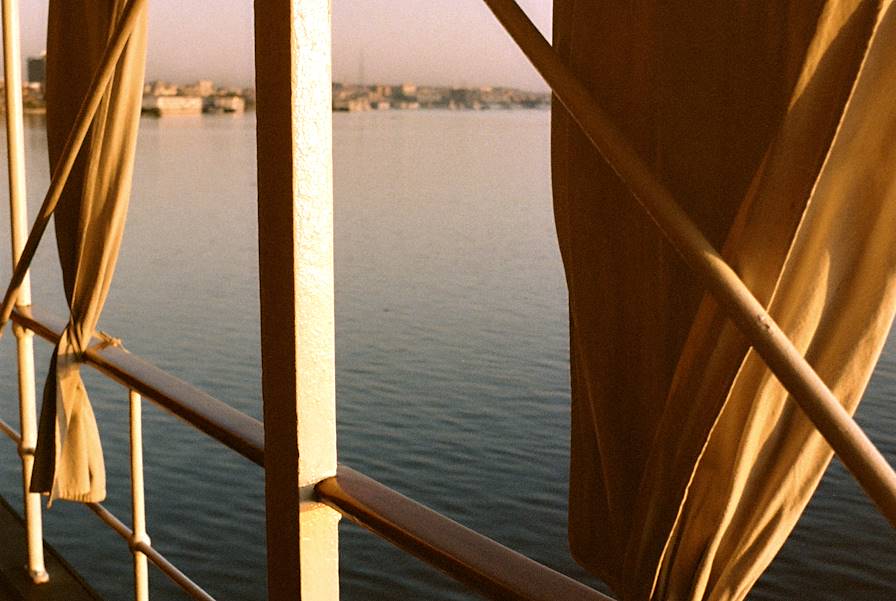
(137, 539)
(473, 559)
(136, 536)
(12, 68)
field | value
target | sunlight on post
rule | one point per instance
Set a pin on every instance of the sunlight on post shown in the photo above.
(295, 224)
(12, 67)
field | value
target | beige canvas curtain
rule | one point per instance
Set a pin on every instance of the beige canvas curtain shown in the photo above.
(774, 125)
(89, 223)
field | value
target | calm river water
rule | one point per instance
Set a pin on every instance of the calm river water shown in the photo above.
(451, 358)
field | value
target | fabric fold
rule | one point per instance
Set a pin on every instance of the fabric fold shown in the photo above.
(89, 223)
(769, 122)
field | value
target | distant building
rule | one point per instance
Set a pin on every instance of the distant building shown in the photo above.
(203, 88)
(162, 88)
(408, 96)
(351, 105)
(432, 97)
(37, 69)
(465, 98)
(248, 95)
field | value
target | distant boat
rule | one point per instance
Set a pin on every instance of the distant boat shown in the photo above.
(225, 104)
(171, 105)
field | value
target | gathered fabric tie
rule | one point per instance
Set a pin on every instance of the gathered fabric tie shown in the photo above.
(69, 456)
(89, 223)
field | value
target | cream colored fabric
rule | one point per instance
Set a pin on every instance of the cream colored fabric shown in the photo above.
(89, 223)
(774, 126)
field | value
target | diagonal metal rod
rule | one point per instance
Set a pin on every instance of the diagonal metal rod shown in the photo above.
(70, 151)
(847, 439)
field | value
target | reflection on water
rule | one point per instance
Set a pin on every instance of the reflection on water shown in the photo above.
(451, 357)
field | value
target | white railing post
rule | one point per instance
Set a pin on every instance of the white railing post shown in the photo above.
(295, 233)
(138, 507)
(18, 213)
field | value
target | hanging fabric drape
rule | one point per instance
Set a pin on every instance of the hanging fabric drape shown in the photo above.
(89, 224)
(773, 124)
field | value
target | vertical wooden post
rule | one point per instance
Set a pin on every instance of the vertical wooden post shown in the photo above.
(295, 234)
(18, 213)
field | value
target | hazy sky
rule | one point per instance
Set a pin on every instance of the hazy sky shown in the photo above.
(455, 42)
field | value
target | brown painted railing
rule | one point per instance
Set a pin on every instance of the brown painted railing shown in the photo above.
(232, 428)
(469, 557)
(475, 560)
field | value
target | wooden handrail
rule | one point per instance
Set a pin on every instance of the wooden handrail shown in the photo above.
(467, 556)
(471, 558)
(232, 428)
